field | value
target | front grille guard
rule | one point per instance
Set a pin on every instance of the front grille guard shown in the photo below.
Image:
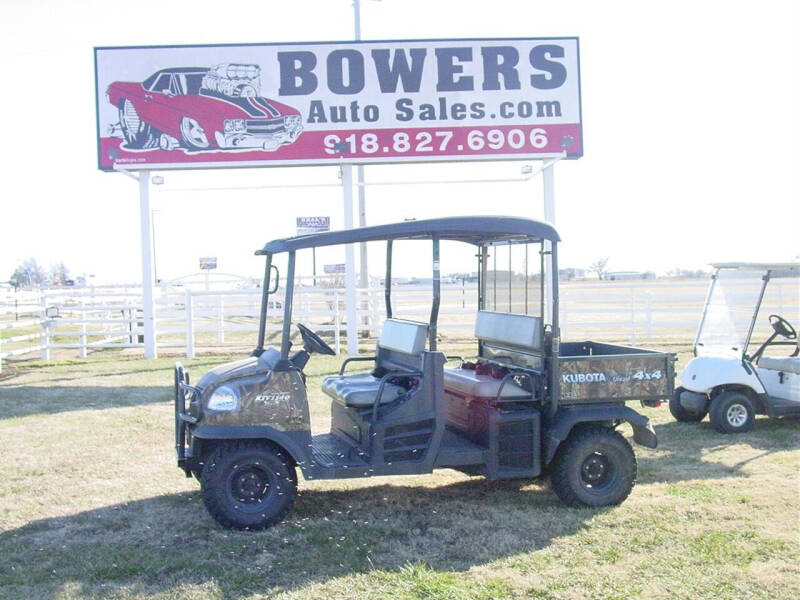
(181, 416)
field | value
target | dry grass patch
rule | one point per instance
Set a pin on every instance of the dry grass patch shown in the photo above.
(92, 506)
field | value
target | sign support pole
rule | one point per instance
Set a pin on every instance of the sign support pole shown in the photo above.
(362, 222)
(148, 305)
(314, 266)
(350, 267)
(362, 202)
(548, 182)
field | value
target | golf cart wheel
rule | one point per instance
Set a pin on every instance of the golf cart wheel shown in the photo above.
(680, 413)
(732, 412)
(248, 485)
(594, 466)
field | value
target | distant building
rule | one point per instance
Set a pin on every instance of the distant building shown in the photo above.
(570, 273)
(623, 275)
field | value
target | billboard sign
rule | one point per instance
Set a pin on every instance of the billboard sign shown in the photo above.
(308, 225)
(357, 102)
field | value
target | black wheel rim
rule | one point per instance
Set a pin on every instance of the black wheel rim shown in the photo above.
(250, 486)
(598, 473)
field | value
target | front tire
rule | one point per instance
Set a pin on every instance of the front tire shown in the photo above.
(595, 466)
(193, 135)
(732, 412)
(680, 413)
(248, 485)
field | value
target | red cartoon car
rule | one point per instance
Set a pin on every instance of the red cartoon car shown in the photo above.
(198, 108)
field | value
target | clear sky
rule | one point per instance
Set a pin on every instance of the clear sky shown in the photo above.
(689, 120)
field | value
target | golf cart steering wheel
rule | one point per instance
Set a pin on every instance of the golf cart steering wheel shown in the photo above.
(782, 327)
(312, 342)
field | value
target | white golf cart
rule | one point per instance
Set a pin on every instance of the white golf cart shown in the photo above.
(725, 380)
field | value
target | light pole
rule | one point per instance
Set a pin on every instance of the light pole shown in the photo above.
(362, 201)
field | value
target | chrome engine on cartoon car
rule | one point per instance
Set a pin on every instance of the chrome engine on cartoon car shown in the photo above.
(235, 80)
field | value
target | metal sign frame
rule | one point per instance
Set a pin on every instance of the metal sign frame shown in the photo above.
(458, 129)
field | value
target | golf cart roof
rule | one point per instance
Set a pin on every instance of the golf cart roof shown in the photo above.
(476, 230)
(757, 266)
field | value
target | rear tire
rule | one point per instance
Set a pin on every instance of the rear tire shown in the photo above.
(594, 466)
(680, 413)
(732, 412)
(138, 134)
(248, 485)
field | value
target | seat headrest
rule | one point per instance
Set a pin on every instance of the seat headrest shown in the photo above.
(507, 329)
(403, 336)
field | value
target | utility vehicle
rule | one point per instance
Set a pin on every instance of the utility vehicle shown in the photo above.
(724, 380)
(526, 405)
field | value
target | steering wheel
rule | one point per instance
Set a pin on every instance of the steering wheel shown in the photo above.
(312, 342)
(782, 327)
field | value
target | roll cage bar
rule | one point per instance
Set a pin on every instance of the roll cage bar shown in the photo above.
(479, 231)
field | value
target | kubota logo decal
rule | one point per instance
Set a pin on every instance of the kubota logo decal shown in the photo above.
(583, 377)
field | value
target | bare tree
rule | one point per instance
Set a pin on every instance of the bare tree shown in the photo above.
(28, 274)
(599, 267)
(59, 273)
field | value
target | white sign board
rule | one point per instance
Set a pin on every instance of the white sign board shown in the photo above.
(357, 102)
(309, 225)
(208, 263)
(335, 268)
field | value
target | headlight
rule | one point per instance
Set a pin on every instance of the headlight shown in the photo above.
(291, 121)
(224, 399)
(234, 125)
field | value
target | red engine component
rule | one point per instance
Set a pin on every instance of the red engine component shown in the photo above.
(497, 371)
(483, 368)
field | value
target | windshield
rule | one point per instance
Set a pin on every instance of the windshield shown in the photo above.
(733, 300)
(729, 311)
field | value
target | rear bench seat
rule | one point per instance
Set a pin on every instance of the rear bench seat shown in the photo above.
(400, 348)
(505, 333)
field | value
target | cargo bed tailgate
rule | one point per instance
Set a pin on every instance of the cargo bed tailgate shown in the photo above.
(597, 372)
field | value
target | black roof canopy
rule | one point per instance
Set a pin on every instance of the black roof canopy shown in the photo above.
(476, 230)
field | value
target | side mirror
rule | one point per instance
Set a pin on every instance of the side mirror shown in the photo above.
(277, 279)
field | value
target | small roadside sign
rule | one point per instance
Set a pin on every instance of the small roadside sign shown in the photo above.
(208, 263)
(309, 225)
(335, 268)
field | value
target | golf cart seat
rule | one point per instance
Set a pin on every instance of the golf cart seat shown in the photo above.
(787, 364)
(399, 350)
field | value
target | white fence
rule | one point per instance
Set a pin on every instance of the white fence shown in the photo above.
(191, 319)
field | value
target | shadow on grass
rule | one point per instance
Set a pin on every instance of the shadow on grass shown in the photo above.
(687, 450)
(49, 398)
(160, 544)
(24, 401)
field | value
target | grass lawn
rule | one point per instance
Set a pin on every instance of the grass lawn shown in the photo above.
(93, 506)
